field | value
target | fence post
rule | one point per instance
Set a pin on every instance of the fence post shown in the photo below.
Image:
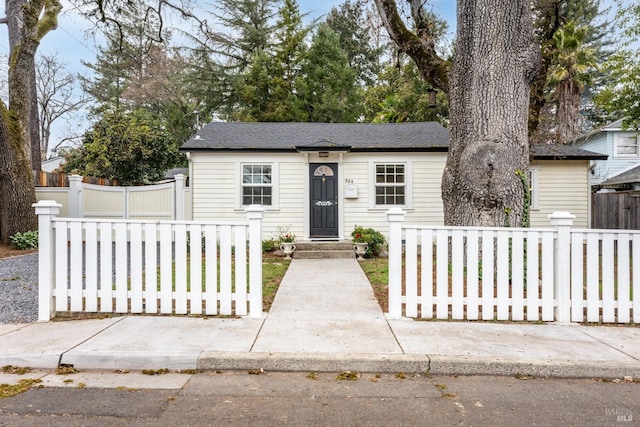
(254, 214)
(179, 197)
(395, 217)
(46, 210)
(75, 196)
(562, 221)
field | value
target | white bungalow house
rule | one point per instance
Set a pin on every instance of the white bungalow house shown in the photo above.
(322, 179)
(623, 150)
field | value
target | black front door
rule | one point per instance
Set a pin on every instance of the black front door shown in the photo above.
(324, 199)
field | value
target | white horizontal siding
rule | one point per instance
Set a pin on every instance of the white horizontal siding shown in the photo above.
(215, 189)
(562, 186)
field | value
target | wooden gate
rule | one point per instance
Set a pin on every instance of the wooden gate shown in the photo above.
(619, 210)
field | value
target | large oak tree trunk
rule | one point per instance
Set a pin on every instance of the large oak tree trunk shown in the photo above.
(484, 180)
(16, 180)
(27, 21)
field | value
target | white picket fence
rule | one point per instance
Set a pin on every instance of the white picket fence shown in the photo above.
(518, 274)
(141, 266)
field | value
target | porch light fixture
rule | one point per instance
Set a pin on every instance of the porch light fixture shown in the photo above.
(323, 154)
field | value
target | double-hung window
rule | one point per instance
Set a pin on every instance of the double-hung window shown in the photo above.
(257, 184)
(626, 144)
(390, 184)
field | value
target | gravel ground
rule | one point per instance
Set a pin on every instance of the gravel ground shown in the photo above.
(19, 289)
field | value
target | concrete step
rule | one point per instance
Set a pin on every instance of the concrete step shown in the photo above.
(324, 249)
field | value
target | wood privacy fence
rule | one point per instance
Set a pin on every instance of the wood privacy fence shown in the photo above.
(618, 210)
(52, 179)
(137, 266)
(169, 201)
(557, 274)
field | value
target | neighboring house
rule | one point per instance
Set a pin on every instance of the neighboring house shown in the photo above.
(621, 146)
(52, 164)
(322, 179)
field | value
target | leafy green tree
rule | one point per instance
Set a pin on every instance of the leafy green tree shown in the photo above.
(571, 72)
(349, 22)
(551, 18)
(620, 98)
(401, 95)
(130, 146)
(328, 84)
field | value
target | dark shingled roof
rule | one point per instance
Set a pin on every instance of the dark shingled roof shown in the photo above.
(271, 136)
(291, 137)
(623, 180)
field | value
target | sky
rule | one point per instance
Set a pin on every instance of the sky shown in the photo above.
(69, 42)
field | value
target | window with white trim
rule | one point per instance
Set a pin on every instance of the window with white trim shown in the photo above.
(626, 144)
(390, 184)
(257, 184)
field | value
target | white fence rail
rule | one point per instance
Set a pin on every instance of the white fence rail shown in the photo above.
(556, 274)
(138, 266)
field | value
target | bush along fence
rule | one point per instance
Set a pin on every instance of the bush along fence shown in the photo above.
(138, 266)
(519, 274)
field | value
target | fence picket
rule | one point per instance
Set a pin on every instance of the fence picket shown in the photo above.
(411, 273)
(106, 267)
(151, 267)
(547, 277)
(593, 285)
(502, 279)
(211, 269)
(457, 274)
(195, 262)
(426, 281)
(122, 268)
(442, 274)
(517, 276)
(75, 257)
(577, 277)
(61, 263)
(624, 301)
(166, 273)
(472, 275)
(91, 267)
(135, 255)
(225, 270)
(180, 275)
(608, 295)
(487, 275)
(533, 276)
(240, 232)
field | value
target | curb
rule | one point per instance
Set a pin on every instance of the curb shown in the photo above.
(418, 364)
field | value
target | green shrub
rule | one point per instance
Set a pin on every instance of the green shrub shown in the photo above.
(374, 238)
(269, 245)
(26, 240)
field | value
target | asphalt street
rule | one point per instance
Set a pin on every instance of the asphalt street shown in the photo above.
(243, 398)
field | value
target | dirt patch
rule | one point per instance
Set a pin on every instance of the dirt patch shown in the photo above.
(7, 251)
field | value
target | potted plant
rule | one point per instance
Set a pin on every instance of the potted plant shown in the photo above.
(360, 245)
(286, 244)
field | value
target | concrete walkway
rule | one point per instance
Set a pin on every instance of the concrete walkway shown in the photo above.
(325, 318)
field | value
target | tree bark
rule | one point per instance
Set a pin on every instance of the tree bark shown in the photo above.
(27, 21)
(484, 178)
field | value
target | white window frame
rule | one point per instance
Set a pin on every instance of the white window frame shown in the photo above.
(408, 185)
(274, 184)
(534, 188)
(618, 137)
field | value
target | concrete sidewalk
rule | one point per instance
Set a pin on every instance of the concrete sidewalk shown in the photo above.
(325, 318)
